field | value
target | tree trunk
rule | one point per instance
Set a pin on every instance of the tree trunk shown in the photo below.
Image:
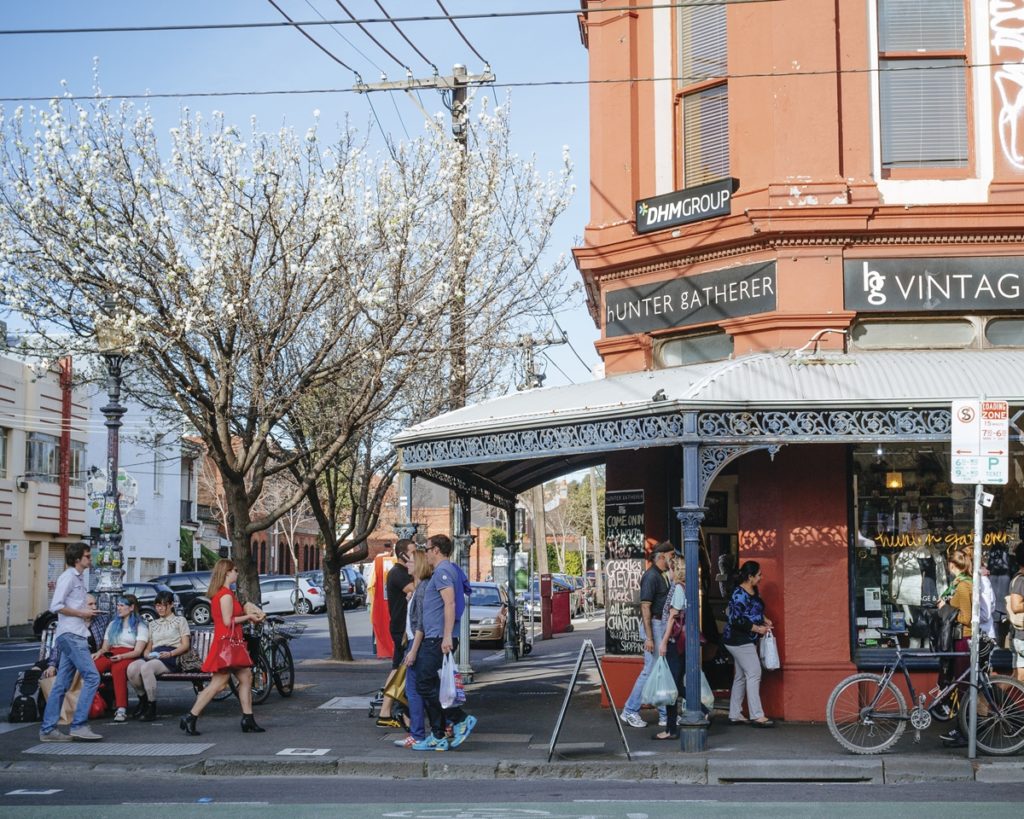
(241, 551)
(336, 625)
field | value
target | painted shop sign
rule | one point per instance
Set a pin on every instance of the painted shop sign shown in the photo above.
(688, 300)
(685, 206)
(922, 285)
(622, 620)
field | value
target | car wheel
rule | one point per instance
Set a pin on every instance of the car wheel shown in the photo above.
(303, 607)
(200, 614)
(148, 615)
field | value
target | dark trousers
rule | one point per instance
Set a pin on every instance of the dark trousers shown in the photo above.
(428, 685)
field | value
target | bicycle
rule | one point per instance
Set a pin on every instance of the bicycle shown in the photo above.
(521, 642)
(272, 661)
(867, 713)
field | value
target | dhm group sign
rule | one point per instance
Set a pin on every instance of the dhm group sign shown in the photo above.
(685, 206)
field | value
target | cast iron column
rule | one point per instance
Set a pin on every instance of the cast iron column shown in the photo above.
(111, 555)
(693, 733)
(510, 624)
(463, 541)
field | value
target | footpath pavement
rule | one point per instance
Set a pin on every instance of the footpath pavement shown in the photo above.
(324, 729)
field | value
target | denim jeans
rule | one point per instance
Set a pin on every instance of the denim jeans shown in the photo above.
(633, 704)
(74, 656)
(428, 685)
(417, 722)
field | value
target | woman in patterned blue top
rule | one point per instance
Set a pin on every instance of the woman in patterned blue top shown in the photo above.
(745, 625)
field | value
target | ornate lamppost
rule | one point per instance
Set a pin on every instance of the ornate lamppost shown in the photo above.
(112, 347)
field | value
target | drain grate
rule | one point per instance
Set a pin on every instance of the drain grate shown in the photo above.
(141, 749)
(347, 704)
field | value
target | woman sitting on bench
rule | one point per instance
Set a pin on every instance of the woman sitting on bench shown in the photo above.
(124, 640)
(169, 638)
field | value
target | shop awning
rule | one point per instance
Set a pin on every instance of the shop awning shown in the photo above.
(509, 444)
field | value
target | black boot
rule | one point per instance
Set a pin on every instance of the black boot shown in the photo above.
(249, 725)
(150, 713)
(140, 709)
(188, 724)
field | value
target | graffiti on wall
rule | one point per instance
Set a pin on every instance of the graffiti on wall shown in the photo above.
(1006, 19)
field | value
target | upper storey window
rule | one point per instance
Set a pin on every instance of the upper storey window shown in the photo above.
(923, 85)
(705, 98)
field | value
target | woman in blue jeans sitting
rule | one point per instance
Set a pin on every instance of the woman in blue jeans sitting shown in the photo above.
(421, 571)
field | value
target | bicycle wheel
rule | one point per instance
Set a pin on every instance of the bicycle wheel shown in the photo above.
(864, 717)
(262, 680)
(1000, 716)
(284, 668)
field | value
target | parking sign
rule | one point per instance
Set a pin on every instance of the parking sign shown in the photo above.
(980, 442)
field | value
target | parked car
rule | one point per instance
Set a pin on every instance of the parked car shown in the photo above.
(530, 599)
(146, 595)
(191, 588)
(488, 613)
(280, 595)
(353, 587)
(353, 594)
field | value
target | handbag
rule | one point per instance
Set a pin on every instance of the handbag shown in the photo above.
(770, 652)
(660, 688)
(231, 652)
(1016, 618)
(396, 688)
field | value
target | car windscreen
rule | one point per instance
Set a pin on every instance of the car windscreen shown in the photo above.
(484, 597)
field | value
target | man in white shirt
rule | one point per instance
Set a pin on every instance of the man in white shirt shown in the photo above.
(70, 603)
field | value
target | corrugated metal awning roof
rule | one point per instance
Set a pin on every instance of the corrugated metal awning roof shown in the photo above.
(912, 378)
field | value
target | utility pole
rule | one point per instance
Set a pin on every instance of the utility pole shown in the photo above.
(457, 85)
(532, 378)
(598, 546)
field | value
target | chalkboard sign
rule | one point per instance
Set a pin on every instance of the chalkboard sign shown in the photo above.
(624, 524)
(622, 624)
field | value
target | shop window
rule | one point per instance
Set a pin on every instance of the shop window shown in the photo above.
(922, 84)
(76, 464)
(705, 99)
(906, 516)
(896, 334)
(5, 436)
(675, 352)
(1007, 332)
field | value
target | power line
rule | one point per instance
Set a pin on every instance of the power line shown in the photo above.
(298, 27)
(554, 364)
(410, 42)
(348, 42)
(377, 42)
(832, 72)
(367, 20)
(459, 31)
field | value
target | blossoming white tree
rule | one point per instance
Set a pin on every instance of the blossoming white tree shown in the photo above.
(247, 271)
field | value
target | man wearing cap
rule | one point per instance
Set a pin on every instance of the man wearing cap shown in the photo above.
(654, 588)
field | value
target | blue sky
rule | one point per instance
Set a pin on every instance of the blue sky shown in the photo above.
(519, 50)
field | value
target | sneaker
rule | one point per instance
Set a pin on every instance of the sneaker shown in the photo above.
(662, 722)
(121, 715)
(953, 739)
(85, 734)
(389, 722)
(462, 730)
(431, 743)
(408, 742)
(53, 736)
(632, 718)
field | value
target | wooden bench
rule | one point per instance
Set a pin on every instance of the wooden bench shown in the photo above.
(201, 640)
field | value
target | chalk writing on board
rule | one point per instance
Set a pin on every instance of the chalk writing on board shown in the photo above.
(624, 524)
(622, 608)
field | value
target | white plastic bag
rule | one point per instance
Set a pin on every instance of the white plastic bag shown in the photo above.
(449, 690)
(660, 688)
(707, 696)
(769, 652)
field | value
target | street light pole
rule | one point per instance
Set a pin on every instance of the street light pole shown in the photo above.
(111, 553)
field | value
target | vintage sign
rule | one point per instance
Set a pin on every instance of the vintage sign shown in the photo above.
(685, 206)
(924, 285)
(622, 623)
(687, 300)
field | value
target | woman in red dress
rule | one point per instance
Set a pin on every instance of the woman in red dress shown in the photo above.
(228, 617)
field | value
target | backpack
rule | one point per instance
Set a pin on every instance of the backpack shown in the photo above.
(42, 622)
(25, 704)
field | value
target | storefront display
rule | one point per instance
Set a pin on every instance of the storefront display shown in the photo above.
(908, 517)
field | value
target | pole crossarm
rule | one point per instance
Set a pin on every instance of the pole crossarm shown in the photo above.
(436, 82)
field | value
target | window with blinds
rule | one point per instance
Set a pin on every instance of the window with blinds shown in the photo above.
(922, 82)
(705, 98)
